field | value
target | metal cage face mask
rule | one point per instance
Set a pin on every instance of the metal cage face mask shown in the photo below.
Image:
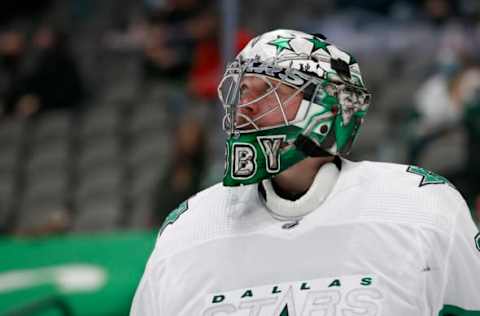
(275, 102)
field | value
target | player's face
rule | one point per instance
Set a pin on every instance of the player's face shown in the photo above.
(271, 97)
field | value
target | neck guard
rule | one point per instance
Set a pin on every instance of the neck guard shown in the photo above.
(284, 210)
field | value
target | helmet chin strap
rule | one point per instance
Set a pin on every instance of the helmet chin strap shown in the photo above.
(310, 148)
(286, 210)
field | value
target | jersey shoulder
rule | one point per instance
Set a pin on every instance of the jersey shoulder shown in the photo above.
(407, 193)
(400, 178)
(202, 217)
(197, 201)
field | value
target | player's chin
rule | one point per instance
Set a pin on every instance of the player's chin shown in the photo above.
(244, 125)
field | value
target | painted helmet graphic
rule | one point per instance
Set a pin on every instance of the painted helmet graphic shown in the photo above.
(288, 95)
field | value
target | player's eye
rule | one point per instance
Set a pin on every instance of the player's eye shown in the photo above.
(243, 90)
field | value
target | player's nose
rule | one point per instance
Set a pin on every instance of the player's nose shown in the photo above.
(249, 110)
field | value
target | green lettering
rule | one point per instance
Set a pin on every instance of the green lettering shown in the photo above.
(335, 282)
(218, 298)
(305, 286)
(276, 290)
(247, 293)
(366, 281)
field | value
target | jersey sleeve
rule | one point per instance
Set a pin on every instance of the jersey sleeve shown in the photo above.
(151, 290)
(462, 290)
(143, 303)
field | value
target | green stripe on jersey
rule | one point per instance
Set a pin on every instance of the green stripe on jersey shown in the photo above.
(450, 310)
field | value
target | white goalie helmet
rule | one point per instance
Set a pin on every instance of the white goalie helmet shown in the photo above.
(308, 96)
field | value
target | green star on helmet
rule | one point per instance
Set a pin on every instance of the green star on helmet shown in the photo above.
(282, 43)
(317, 44)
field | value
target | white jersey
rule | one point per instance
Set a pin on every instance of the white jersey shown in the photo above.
(388, 240)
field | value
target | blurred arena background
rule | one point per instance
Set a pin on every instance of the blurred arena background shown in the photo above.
(109, 119)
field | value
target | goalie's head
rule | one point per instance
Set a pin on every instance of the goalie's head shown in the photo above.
(288, 95)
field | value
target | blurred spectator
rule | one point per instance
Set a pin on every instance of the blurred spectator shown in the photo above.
(207, 65)
(172, 34)
(470, 84)
(439, 101)
(444, 103)
(12, 53)
(185, 170)
(55, 80)
(437, 104)
(52, 81)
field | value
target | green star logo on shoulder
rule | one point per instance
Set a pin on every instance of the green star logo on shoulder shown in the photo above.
(428, 177)
(282, 43)
(317, 44)
(174, 215)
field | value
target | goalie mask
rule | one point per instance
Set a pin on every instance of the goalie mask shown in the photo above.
(288, 95)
